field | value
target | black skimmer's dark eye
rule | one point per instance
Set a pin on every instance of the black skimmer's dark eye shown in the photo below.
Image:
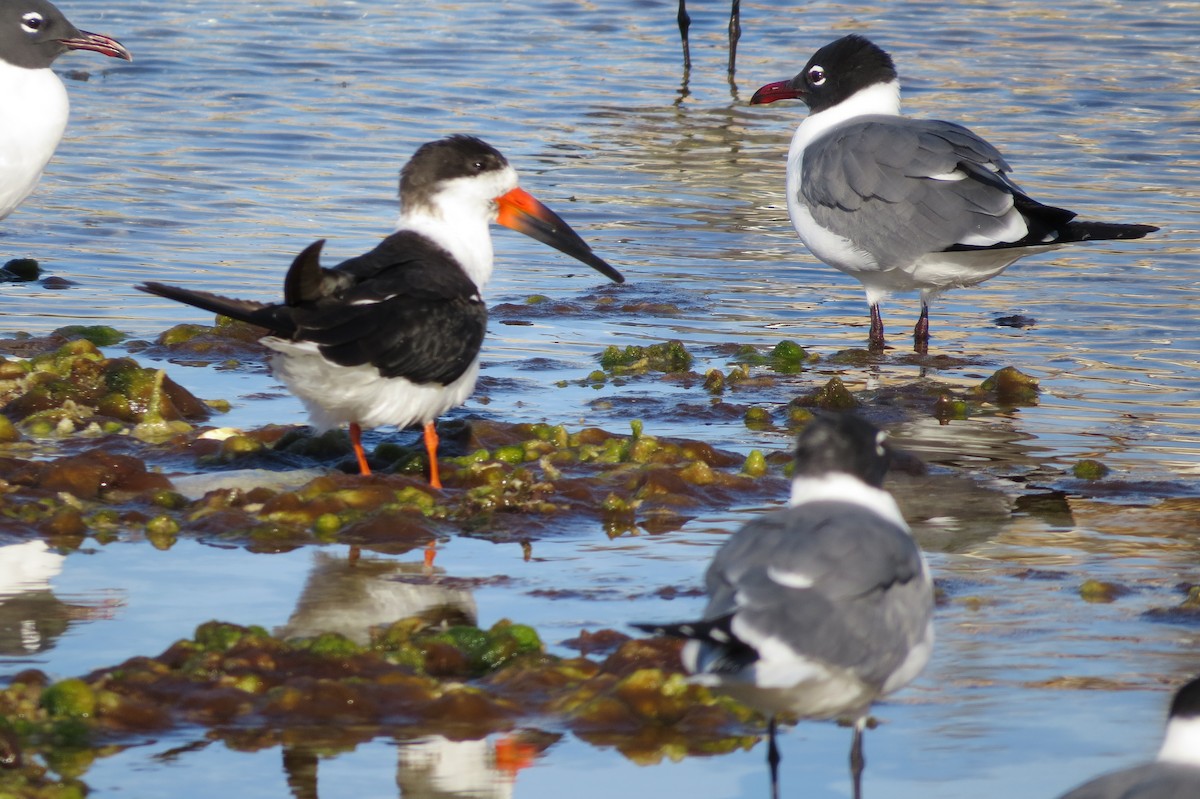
(32, 22)
(816, 76)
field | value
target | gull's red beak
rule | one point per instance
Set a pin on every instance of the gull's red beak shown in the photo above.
(98, 43)
(522, 212)
(783, 90)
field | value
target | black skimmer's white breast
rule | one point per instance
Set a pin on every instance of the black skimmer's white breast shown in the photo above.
(33, 101)
(906, 204)
(392, 337)
(819, 609)
(1175, 774)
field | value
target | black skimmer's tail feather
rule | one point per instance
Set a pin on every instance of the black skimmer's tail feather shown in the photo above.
(272, 317)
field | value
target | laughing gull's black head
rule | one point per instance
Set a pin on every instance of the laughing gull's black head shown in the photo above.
(1186, 704)
(33, 33)
(842, 443)
(837, 71)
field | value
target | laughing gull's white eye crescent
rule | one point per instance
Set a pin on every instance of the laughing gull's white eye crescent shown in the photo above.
(879, 439)
(816, 76)
(32, 22)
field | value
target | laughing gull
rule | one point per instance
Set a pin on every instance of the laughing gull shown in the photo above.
(33, 101)
(906, 204)
(392, 337)
(819, 609)
(1176, 772)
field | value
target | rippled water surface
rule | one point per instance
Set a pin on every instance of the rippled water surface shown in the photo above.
(243, 131)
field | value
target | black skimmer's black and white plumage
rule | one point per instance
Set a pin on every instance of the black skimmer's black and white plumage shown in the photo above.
(906, 204)
(819, 609)
(1174, 774)
(33, 101)
(392, 337)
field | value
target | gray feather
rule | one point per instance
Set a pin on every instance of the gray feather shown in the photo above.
(873, 181)
(867, 596)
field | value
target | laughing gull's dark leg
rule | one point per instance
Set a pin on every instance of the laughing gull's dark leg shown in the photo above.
(735, 31)
(773, 758)
(875, 338)
(921, 330)
(685, 22)
(857, 762)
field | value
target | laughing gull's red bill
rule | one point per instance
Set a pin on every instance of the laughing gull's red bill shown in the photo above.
(817, 610)
(905, 204)
(392, 337)
(33, 101)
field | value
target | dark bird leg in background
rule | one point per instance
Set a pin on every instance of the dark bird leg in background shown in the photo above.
(735, 32)
(921, 331)
(773, 758)
(684, 23)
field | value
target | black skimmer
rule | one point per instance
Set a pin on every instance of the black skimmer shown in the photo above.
(1175, 774)
(392, 337)
(735, 32)
(33, 101)
(821, 608)
(906, 204)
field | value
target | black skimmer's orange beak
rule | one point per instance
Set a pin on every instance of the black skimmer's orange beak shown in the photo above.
(98, 43)
(783, 90)
(524, 213)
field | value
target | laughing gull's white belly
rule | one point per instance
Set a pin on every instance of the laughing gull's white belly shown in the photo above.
(33, 116)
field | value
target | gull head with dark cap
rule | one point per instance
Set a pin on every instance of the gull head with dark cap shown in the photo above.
(835, 73)
(33, 33)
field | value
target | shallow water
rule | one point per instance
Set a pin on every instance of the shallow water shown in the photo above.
(242, 132)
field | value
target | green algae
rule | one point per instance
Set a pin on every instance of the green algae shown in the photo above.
(1009, 386)
(670, 356)
(412, 674)
(786, 357)
(832, 396)
(1089, 469)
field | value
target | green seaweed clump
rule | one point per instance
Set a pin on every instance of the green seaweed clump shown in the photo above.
(76, 385)
(1009, 386)
(786, 357)
(833, 396)
(1088, 469)
(670, 357)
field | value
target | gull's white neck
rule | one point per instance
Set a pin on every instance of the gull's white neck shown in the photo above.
(33, 116)
(880, 98)
(1181, 744)
(841, 487)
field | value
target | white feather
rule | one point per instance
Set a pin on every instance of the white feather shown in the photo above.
(33, 116)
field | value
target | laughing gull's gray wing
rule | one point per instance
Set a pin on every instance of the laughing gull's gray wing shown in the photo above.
(1148, 781)
(902, 188)
(832, 582)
